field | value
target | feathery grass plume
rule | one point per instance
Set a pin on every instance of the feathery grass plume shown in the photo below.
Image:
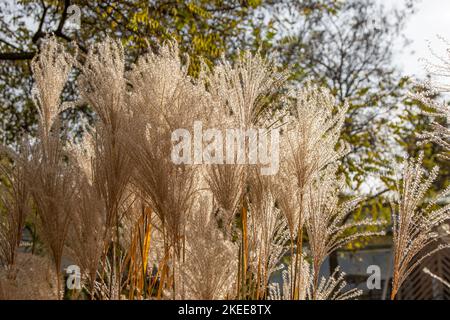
(15, 205)
(312, 135)
(440, 133)
(309, 144)
(440, 109)
(49, 175)
(102, 86)
(163, 99)
(102, 82)
(267, 232)
(31, 278)
(50, 69)
(415, 223)
(325, 219)
(161, 88)
(240, 95)
(209, 268)
(244, 89)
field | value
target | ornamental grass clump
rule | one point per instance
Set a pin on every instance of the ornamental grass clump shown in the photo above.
(140, 225)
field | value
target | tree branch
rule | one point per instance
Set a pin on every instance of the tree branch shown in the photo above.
(38, 34)
(63, 17)
(15, 56)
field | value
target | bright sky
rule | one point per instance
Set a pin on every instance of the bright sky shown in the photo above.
(431, 19)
